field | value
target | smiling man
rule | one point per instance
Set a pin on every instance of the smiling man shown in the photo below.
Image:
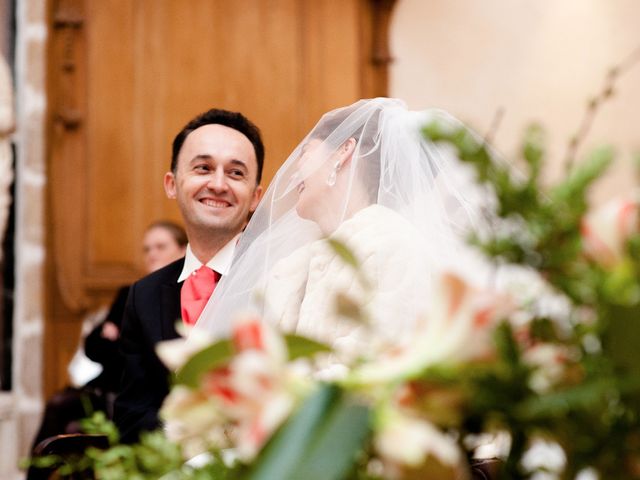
(216, 167)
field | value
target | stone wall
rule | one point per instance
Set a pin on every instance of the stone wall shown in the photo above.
(20, 409)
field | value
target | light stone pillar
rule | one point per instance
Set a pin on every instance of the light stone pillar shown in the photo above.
(20, 409)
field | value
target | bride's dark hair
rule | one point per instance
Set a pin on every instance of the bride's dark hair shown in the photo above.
(366, 156)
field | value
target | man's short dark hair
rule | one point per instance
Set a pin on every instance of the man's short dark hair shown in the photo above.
(217, 116)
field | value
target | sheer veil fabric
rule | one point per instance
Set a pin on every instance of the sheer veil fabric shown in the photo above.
(367, 177)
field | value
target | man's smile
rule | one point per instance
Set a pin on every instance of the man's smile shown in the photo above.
(210, 202)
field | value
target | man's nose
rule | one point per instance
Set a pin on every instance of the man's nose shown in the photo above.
(218, 181)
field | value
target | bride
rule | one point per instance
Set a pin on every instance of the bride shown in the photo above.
(366, 178)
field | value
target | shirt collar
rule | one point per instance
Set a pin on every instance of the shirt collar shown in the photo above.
(221, 261)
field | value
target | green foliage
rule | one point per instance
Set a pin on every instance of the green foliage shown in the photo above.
(349, 258)
(221, 352)
(152, 458)
(99, 424)
(320, 442)
(205, 360)
(546, 223)
(302, 347)
(346, 305)
(621, 340)
(343, 252)
(593, 410)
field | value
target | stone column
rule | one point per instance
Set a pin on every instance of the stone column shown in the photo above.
(20, 409)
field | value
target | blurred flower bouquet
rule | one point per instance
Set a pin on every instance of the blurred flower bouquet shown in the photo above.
(254, 398)
(557, 364)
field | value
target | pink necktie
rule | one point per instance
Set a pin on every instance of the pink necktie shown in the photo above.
(195, 293)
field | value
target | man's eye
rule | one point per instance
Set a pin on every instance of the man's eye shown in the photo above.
(201, 168)
(236, 173)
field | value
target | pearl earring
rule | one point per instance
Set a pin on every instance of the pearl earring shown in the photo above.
(331, 179)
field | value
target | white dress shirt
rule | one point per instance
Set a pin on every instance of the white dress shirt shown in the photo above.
(221, 261)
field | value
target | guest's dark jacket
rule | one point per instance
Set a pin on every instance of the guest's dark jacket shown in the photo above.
(151, 312)
(105, 351)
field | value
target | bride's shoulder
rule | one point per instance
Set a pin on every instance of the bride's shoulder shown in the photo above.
(380, 223)
(378, 232)
(294, 264)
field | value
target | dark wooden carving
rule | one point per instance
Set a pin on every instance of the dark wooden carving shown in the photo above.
(376, 19)
(66, 164)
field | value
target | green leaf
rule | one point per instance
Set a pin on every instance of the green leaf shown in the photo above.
(221, 352)
(583, 176)
(289, 443)
(301, 347)
(336, 447)
(533, 150)
(344, 252)
(621, 285)
(319, 442)
(622, 336)
(348, 257)
(205, 360)
(557, 404)
(99, 424)
(506, 344)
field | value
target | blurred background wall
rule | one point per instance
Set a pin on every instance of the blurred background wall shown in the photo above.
(102, 86)
(537, 61)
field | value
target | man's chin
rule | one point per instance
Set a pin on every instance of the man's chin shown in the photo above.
(219, 225)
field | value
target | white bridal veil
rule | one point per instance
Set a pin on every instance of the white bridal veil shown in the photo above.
(366, 176)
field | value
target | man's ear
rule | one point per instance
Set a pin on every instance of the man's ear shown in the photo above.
(170, 185)
(257, 196)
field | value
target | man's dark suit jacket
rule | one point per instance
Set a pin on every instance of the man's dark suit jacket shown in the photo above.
(152, 310)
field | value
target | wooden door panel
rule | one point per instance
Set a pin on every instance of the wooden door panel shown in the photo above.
(109, 132)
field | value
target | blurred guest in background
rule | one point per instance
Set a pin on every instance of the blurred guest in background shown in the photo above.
(163, 243)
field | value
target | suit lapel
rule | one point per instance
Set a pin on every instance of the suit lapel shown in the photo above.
(170, 305)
